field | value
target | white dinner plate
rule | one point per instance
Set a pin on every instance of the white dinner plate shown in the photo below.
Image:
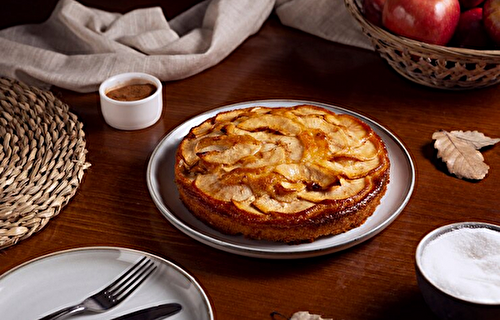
(160, 180)
(44, 285)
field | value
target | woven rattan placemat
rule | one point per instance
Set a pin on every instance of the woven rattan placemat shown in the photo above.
(42, 159)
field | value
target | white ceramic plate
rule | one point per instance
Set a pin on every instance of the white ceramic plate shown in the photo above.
(160, 179)
(41, 286)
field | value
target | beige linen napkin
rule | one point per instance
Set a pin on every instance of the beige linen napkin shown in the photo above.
(79, 47)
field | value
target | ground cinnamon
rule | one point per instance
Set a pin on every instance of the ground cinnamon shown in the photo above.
(132, 92)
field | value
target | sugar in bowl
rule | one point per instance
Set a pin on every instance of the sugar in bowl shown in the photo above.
(458, 271)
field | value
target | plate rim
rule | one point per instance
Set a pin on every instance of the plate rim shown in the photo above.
(264, 253)
(207, 302)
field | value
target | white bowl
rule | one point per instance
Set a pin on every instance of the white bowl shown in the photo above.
(446, 303)
(131, 115)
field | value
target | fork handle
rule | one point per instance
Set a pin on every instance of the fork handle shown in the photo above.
(65, 313)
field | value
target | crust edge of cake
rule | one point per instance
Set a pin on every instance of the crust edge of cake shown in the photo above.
(307, 229)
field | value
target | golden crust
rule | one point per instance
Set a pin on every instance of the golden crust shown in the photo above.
(282, 174)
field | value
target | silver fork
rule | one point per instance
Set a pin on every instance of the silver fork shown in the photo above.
(113, 294)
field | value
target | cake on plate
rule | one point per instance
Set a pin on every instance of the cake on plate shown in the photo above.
(288, 174)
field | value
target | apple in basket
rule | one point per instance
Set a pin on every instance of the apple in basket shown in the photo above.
(372, 9)
(491, 17)
(430, 21)
(470, 32)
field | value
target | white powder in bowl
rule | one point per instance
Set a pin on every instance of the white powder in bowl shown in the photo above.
(465, 263)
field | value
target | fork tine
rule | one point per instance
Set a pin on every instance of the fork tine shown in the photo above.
(125, 275)
(132, 279)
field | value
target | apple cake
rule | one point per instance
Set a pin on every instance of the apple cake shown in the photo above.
(288, 174)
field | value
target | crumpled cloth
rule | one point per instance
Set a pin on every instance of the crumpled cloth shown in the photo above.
(79, 47)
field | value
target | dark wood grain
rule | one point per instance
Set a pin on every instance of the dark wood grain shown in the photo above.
(373, 280)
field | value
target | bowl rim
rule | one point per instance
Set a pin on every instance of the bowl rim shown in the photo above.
(434, 234)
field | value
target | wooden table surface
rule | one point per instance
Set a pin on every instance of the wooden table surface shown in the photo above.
(372, 280)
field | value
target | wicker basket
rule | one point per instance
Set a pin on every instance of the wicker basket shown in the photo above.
(42, 159)
(431, 65)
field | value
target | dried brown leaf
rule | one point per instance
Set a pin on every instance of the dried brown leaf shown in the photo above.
(476, 138)
(459, 150)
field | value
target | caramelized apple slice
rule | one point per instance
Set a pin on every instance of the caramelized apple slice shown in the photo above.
(228, 116)
(247, 206)
(286, 191)
(265, 158)
(210, 184)
(351, 168)
(356, 130)
(187, 151)
(319, 123)
(366, 151)
(271, 123)
(292, 145)
(234, 193)
(310, 173)
(346, 189)
(288, 186)
(227, 149)
(292, 171)
(266, 204)
(229, 156)
(307, 110)
(202, 129)
(261, 110)
(222, 142)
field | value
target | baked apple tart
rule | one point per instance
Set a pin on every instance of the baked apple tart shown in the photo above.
(288, 174)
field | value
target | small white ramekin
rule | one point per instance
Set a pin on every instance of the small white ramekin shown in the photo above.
(131, 115)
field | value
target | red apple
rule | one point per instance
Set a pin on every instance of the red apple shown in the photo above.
(491, 18)
(470, 32)
(431, 21)
(466, 4)
(372, 9)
